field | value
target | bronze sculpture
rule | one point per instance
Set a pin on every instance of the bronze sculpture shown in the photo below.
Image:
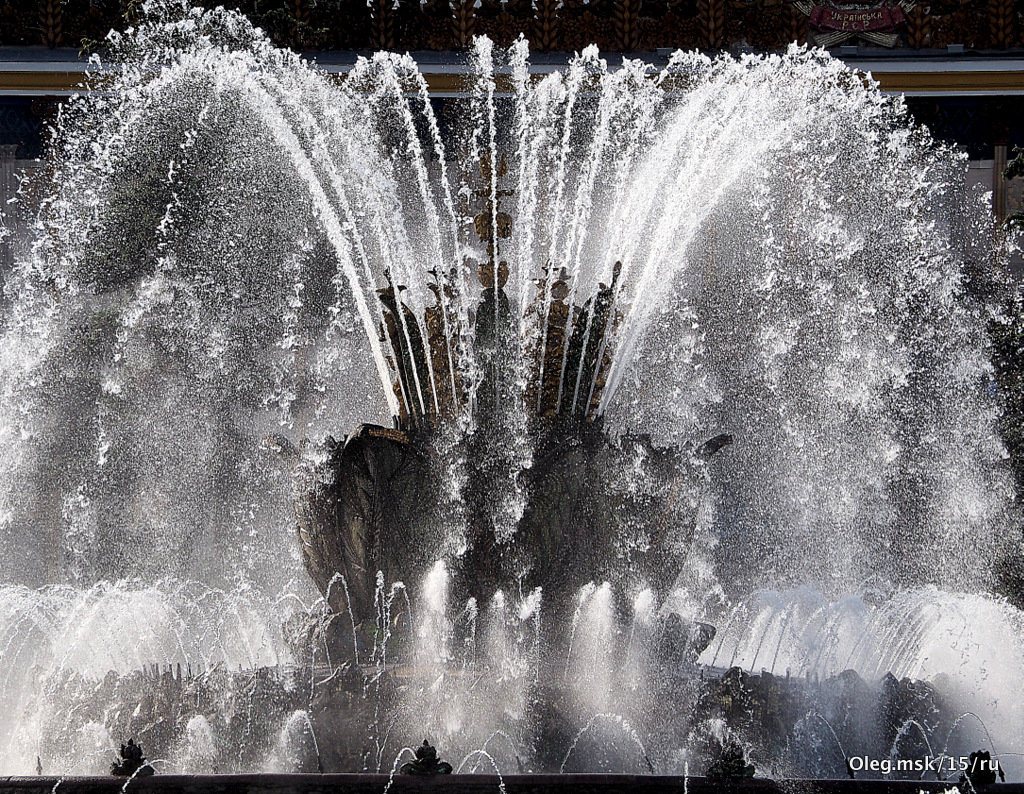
(379, 505)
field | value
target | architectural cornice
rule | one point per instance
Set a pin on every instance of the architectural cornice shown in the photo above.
(913, 76)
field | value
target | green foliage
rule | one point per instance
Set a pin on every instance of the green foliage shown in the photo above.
(1015, 168)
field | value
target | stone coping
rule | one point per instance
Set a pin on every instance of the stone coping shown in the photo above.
(48, 73)
(472, 784)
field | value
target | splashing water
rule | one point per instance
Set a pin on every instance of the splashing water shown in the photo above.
(289, 751)
(616, 720)
(394, 766)
(783, 254)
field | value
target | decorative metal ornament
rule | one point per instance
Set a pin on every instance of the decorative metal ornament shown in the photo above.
(838, 21)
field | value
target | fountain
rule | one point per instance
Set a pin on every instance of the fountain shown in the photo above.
(668, 441)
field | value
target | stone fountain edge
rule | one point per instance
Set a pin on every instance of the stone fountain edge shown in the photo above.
(362, 783)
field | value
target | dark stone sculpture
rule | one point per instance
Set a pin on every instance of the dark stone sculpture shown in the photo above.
(981, 770)
(679, 643)
(362, 511)
(379, 495)
(132, 762)
(426, 763)
(731, 763)
(587, 507)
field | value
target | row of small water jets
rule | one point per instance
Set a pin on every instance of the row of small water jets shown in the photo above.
(50, 635)
(298, 737)
(59, 644)
(966, 644)
(918, 633)
(125, 626)
(79, 635)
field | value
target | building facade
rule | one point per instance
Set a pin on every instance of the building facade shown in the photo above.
(958, 63)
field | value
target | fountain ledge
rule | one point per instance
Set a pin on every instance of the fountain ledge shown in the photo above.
(470, 784)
